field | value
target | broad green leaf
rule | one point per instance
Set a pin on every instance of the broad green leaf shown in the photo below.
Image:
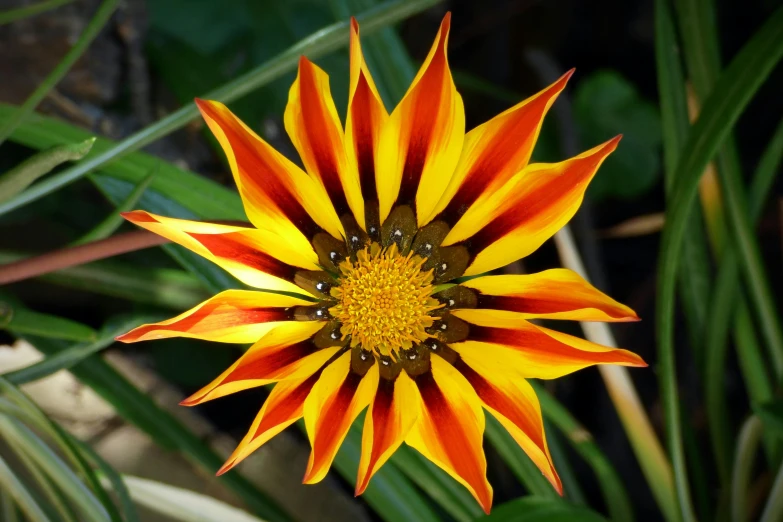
(182, 504)
(23, 175)
(537, 509)
(14, 316)
(607, 104)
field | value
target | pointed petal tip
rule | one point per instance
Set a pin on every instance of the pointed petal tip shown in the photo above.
(190, 401)
(226, 467)
(354, 25)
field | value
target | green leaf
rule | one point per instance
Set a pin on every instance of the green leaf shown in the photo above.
(182, 504)
(163, 287)
(85, 39)
(11, 15)
(721, 110)
(519, 462)
(73, 355)
(22, 496)
(89, 506)
(771, 414)
(319, 44)
(537, 509)
(141, 411)
(114, 220)
(23, 175)
(605, 105)
(14, 316)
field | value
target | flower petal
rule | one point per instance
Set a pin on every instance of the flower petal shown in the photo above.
(495, 151)
(233, 316)
(365, 119)
(285, 352)
(255, 257)
(553, 294)
(312, 122)
(450, 428)
(513, 402)
(422, 139)
(283, 407)
(534, 204)
(389, 419)
(278, 196)
(336, 400)
(533, 351)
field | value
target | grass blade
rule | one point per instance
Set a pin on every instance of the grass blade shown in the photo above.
(114, 220)
(12, 15)
(73, 355)
(21, 495)
(88, 35)
(23, 175)
(324, 41)
(720, 111)
(748, 443)
(89, 506)
(14, 316)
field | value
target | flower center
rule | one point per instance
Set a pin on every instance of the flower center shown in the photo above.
(383, 300)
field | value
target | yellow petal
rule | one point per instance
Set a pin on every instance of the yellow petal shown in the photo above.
(517, 218)
(533, 351)
(233, 316)
(552, 294)
(495, 151)
(392, 413)
(255, 257)
(277, 195)
(312, 123)
(283, 407)
(450, 428)
(330, 409)
(422, 139)
(285, 352)
(365, 119)
(513, 402)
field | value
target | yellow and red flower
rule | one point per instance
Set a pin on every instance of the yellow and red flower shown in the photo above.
(387, 215)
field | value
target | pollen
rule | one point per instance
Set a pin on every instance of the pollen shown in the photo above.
(384, 300)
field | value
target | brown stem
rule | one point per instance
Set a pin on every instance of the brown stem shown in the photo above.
(78, 255)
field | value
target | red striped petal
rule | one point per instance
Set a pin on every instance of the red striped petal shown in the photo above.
(365, 119)
(526, 211)
(335, 402)
(514, 403)
(312, 122)
(534, 351)
(285, 352)
(277, 195)
(389, 419)
(233, 316)
(450, 429)
(283, 407)
(256, 258)
(422, 139)
(496, 150)
(552, 294)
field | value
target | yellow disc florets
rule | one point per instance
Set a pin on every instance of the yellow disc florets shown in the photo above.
(383, 300)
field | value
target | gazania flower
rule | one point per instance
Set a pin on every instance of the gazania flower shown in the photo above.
(362, 263)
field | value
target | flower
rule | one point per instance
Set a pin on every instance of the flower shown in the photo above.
(358, 257)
